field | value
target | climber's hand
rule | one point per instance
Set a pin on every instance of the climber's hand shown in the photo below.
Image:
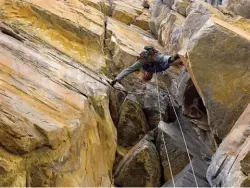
(113, 83)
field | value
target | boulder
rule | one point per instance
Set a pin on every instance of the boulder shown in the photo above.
(159, 12)
(166, 146)
(170, 32)
(140, 167)
(132, 125)
(240, 7)
(181, 6)
(142, 21)
(230, 164)
(126, 11)
(186, 177)
(224, 96)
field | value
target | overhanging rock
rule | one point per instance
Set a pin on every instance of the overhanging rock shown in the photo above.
(220, 70)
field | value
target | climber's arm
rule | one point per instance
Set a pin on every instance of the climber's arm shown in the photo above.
(175, 60)
(136, 66)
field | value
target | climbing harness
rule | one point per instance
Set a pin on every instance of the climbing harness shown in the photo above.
(184, 139)
(162, 136)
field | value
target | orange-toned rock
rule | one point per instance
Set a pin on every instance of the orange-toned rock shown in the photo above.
(220, 70)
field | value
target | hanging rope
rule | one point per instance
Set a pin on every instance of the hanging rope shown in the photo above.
(184, 139)
(162, 136)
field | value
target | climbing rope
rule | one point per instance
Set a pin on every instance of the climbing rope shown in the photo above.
(184, 139)
(162, 136)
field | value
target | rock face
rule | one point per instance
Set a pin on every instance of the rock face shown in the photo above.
(224, 102)
(159, 11)
(177, 157)
(186, 177)
(170, 32)
(240, 7)
(132, 125)
(140, 167)
(61, 124)
(56, 128)
(230, 164)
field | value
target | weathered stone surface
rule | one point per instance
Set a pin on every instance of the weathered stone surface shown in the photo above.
(56, 128)
(71, 27)
(159, 12)
(203, 7)
(192, 137)
(142, 21)
(102, 5)
(181, 6)
(224, 96)
(125, 43)
(126, 11)
(132, 125)
(186, 177)
(230, 164)
(240, 7)
(121, 152)
(170, 32)
(140, 167)
(169, 3)
(167, 146)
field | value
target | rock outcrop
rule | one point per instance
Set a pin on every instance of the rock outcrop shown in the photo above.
(240, 7)
(230, 164)
(62, 124)
(140, 167)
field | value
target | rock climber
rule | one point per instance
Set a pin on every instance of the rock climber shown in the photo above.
(152, 61)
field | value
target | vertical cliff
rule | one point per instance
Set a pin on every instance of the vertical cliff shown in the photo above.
(62, 124)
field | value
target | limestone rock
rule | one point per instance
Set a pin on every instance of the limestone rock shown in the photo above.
(140, 167)
(240, 7)
(132, 125)
(170, 32)
(230, 164)
(224, 96)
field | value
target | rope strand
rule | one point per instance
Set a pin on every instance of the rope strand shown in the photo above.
(184, 139)
(159, 106)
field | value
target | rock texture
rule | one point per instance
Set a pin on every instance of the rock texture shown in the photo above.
(140, 167)
(56, 128)
(224, 102)
(170, 32)
(61, 124)
(230, 164)
(240, 7)
(132, 125)
(186, 177)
